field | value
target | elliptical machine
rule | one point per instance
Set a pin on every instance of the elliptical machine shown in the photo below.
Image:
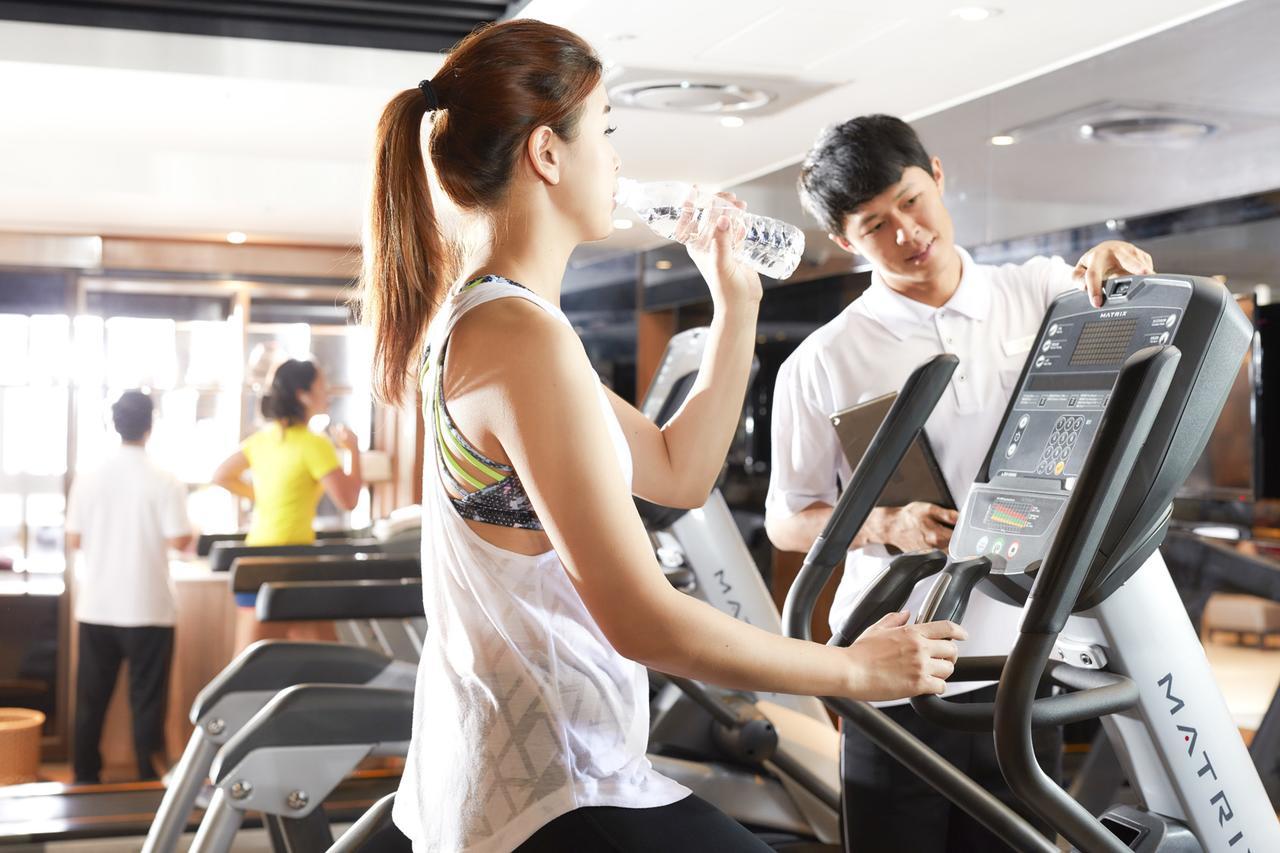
(1112, 409)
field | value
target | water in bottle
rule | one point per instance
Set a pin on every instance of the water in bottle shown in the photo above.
(769, 246)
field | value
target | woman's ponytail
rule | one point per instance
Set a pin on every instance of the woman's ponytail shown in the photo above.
(495, 88)
(408, 263)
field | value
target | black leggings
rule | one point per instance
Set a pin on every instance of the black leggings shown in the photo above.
(691, 825)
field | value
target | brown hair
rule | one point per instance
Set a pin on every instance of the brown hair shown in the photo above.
(497, 86)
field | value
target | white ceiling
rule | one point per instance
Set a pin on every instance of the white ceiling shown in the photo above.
(121, 132)
(1224, 67)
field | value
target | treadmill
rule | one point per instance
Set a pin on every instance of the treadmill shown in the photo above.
(1111, 411)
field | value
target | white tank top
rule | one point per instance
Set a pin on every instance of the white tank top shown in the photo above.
(523, 711)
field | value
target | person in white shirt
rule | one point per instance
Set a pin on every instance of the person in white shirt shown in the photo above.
(124, 516)
(878, 193)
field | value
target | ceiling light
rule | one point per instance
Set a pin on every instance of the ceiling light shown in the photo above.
(974, 14)
(663, 265)
(1003, 139)
(236, 237)
(731, 121)
(622, 224)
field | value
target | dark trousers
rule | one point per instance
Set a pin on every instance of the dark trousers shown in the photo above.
(103, 648)
(690, 825)
(888, 808)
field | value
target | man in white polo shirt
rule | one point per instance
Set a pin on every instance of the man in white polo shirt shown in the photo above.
(870, 182)
(125, 515)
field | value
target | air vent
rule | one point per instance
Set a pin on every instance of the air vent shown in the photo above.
(700, 93)
(690, 96)
(1137, 124)
(1148, 130)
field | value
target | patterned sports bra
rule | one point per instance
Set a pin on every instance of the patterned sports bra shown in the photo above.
(480, 488)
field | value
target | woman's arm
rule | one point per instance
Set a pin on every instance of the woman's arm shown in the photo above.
(230, 475)
(542, 407)
(677, 463)
(343, 487)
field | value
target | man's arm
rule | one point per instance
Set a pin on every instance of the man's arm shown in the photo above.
(1109, 258)
(912, 527)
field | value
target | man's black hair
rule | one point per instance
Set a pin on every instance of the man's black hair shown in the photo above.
(852, 163)
(132, 415)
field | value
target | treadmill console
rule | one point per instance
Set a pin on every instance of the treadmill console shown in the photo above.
(1013, 509)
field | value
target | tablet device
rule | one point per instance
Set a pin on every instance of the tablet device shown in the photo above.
(918, 477)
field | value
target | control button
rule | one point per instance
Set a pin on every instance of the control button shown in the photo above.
(1071, 402)
(1017, 435)
(997, 546)
(1043, 400)
(1046, 346)
(1023, 421)
(1041, 361)
(1011, 449)
(1054, 329)
(981, 545)
(1079, 422)
(1013, 549)
(1059, 468)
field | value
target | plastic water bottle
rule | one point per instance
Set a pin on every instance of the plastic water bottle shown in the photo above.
(769, 246)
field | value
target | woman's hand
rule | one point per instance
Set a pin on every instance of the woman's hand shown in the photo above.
(345, 439)
(711, 242)
(894, 660)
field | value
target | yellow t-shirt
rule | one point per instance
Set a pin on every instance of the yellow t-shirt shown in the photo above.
(287, 467)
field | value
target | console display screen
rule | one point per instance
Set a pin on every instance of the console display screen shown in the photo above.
(1103, 342)
(1007, 515)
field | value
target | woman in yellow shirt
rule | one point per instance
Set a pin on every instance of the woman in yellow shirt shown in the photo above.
(291, 467)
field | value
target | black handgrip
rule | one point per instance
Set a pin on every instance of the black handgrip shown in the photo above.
(949, 597)
(888, 592)
(1098, 694)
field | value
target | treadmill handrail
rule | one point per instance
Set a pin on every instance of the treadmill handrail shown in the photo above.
(906, 418)
(1134, 404)
(384, 598)
(222, 554)
(248, 574)
(316, 715)
(269, 664)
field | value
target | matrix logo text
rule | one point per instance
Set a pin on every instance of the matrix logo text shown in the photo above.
(1205, 766)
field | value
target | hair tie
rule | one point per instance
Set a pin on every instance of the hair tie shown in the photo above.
(429, 95)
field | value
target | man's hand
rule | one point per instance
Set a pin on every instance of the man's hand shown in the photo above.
(1109, 258)
(912, 527)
